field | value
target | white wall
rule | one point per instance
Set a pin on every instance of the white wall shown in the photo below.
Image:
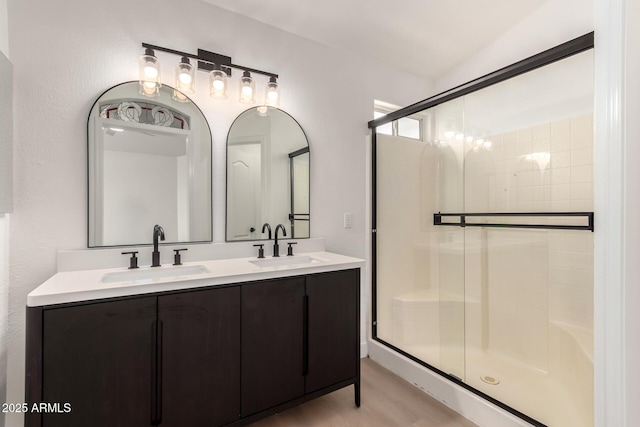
(86, 47)
(632, 225)
(4, 242)
(4, 28)
(555, 22)
(617, 319)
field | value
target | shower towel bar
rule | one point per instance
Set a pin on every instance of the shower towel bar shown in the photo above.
(437, 220)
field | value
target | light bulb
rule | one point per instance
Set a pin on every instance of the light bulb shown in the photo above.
(218, 83)
(247, 86)
(185, 77)
(150, 81)
(272, 95)
(150, 71)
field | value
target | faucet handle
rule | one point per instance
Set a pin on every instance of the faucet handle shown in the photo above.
(260, 250)
(177, 260)
(290, 249)
(133, 261)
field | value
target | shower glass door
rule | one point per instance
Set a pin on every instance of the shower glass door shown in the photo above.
(529, 291)
(420, 267)
(484, 241)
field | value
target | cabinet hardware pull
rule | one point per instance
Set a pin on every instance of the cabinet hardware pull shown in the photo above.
(156, 372)
(305, 336)
(159, 353)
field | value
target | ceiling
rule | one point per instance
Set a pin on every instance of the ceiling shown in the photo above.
(424, 37)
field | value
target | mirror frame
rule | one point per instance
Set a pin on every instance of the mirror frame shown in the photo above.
(306, 149)
(93, 105)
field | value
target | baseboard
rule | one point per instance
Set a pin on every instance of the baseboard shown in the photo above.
(364, 351)
(466, 403)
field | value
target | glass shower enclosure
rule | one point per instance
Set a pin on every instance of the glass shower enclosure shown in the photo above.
(483, 236)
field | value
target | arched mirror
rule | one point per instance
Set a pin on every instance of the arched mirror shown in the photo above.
(267, 175)
(149, 163)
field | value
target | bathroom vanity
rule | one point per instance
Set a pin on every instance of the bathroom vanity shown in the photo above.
(213, 343)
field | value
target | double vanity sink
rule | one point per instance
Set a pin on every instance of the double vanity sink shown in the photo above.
(216, 343)
(73, 286)
(192, 271)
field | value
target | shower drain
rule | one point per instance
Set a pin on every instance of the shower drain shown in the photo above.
(490, 380)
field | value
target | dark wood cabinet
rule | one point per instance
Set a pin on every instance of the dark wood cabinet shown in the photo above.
(200, 366)
(98, 358)
(272, 340)
(210, 356)
(299, 336)
(332, 328)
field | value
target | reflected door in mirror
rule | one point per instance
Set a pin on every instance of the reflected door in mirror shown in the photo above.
(267, 175)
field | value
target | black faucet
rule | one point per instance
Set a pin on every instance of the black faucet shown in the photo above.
(155, 257)
(276, 247)
(268, 227)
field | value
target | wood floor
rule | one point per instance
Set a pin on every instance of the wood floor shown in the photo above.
(387, 401)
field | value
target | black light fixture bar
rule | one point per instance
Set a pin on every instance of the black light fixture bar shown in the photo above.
(206, 60)
(437, 220)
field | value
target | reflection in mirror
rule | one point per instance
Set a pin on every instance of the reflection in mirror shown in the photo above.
(149, 163)
(267, 175)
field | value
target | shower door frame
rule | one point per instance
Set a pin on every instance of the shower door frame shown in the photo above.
(547, 57)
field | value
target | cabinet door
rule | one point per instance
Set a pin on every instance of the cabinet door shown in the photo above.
(272, 343)
(99, 358)
(333, 328)
(200, 342)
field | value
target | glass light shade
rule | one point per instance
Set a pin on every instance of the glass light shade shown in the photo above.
(247, 89)
(272, 93)
(179, 96)
(150, 80)
(185, 76)
(218, 84)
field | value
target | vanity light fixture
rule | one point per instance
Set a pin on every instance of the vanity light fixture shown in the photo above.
(150, 82)
(219, 69)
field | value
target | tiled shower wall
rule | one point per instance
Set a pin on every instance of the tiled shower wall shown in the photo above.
(533, 276)
(543, 168)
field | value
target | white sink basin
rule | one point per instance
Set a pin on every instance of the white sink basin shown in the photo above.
(153, 273)
(285, 261)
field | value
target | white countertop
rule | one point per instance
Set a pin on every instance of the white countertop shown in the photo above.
(86, 285)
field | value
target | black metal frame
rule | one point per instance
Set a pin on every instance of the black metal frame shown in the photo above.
(95, 103)
(547, 57)
(293, 217)
(226, 185)
(437, 220)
